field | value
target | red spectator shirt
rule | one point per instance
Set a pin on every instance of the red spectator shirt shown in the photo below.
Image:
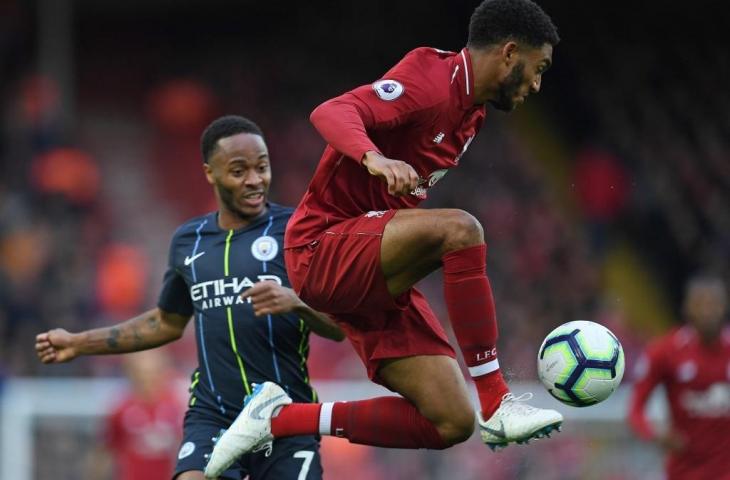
(143, 436)
(697, 382)
(422, 112)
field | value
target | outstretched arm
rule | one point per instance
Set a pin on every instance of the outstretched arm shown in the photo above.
(151, 329)
(270, 298)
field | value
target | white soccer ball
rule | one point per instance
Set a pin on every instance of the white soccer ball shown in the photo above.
(581, 363)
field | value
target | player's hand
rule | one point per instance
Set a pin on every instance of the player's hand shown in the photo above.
(270, 298)
(400, 177)
(55, 346)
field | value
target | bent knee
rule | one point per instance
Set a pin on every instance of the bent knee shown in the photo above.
(458, 428)
(462, 230)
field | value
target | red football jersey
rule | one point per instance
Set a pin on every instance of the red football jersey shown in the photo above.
(697, 382)
(143, 436)
(421, 112)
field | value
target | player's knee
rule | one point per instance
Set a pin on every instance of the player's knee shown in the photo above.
(462, 231)
(458, 428)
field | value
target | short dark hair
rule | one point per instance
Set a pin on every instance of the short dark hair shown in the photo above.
(495, 21)
(224, 127)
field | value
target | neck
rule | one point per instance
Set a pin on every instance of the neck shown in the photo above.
(230, 220)
(484, 74)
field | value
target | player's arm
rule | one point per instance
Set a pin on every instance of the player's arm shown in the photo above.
(649, 374)
(151, 329)
(344, 121)
(270, 298)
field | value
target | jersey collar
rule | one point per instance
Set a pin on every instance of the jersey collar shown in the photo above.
(263, 218)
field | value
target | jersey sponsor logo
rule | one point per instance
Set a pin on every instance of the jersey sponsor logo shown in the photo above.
(421, 191)
(225, 292)
(186, 450)
(712, 402)
(264, 248)
(439, 137)
(388, 90)
(189, 260)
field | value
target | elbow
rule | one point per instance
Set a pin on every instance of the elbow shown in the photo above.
(339, 336)
(318, 115)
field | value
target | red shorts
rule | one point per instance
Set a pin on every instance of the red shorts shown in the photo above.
(340, 274)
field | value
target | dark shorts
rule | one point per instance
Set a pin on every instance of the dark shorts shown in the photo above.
(341, 274)
(293, 458)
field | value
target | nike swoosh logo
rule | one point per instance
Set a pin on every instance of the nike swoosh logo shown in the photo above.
(190, 260)
(497, 433)
(256, 412)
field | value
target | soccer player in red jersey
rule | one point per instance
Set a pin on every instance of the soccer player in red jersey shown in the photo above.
(357, 244)
(143, 429)
(693, 365)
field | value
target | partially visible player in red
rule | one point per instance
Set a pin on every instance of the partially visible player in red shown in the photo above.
(143, 430)
(357, 244)
(693, 364)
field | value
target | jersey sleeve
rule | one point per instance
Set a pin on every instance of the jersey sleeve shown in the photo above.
(650, 372)
(398, 98)
(174, 296)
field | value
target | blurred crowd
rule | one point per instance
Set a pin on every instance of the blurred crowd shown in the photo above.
(87, 208)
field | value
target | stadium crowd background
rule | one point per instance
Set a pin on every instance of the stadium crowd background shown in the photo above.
(598, 198)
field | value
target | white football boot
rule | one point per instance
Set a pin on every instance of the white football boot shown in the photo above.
(250, 431)
(515, 421)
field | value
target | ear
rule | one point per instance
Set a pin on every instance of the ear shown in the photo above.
(509, 52)
(208, 170)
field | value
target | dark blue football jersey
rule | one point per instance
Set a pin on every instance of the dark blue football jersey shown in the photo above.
(209, 268)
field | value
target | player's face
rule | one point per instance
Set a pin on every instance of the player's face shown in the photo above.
(524, 77)
(240, 173)
(706, 307)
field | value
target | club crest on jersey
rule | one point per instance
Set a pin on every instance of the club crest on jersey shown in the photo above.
(264, 248)
(388, 90)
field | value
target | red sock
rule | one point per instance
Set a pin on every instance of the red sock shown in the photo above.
(471, 311)
(391, 422)
(296, 419)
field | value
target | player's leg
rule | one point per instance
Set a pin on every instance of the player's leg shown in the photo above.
(393, 422)
(435, 386)
(416, 242)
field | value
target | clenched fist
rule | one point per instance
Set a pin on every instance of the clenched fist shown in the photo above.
(400, 176)
(55, 346)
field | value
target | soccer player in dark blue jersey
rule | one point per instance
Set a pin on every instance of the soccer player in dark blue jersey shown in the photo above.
(226, 271)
